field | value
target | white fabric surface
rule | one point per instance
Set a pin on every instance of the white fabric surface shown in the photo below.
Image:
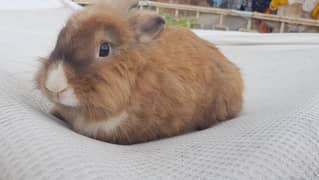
(27, 5)
(276, 136)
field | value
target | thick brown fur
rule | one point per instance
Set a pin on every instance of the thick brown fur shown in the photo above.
(172, 84)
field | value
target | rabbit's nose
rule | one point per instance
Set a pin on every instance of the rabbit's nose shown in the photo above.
(56, 81)
(56, 87)
(58, 92)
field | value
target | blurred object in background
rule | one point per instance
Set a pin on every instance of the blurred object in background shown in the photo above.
(296, 9)
(276, 3)
(191, 2)
(214, 3)
(243, 5)
(265, 16)
(260, 5)
(310, 8)
(315, 12)
(293, 10)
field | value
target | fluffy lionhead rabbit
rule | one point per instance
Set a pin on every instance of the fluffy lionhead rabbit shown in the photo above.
(125, 78)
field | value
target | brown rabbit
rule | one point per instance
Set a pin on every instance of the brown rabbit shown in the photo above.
(126, 78)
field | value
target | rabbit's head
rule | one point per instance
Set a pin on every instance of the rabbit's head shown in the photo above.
(95, 59)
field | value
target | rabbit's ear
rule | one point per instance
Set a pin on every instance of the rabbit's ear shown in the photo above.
(123, 7)
(146, 26)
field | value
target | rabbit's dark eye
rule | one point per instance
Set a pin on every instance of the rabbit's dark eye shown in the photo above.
(104, 49)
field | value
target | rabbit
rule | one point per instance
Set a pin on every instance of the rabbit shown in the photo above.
(126, 78)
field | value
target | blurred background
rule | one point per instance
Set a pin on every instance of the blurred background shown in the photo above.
(265, 16)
